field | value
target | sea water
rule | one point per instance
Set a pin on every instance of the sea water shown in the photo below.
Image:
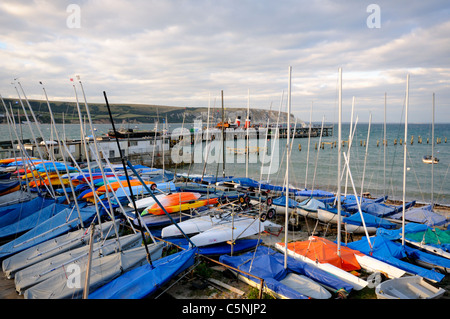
(379, 171)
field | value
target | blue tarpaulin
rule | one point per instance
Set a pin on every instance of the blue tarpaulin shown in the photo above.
(268, 264)
(23, 208)
(6, 185)
(218, 249)
(423, 215)
(392, 253)
(383, 210)
(313, 193)
(145, 280)
(281, 201)
(369, 220)
(32, 220)
(62, 223)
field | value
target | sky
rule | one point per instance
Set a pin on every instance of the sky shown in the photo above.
(184, 53)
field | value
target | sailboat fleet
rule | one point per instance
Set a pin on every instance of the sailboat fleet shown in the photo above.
(104, 231)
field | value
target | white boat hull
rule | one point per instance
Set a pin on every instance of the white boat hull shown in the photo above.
(359, 229)
(146, 202)
(231, 231)
(307, 213)
(327, 217)
(300, 283)
(373, 265)
(195, 225)
(282, 209)
(356, 282)
(410, 287)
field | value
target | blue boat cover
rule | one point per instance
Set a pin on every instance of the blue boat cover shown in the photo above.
(394, 234)
(213, 179)
(65, 221)
(26, 207)
(345, 200)
(392, 253)
(420, 233)
(218, 249)
(145, 280)
(423, 215)
(87, 176)
(86, 191)
(383, 210)
(7, 185)
(313, 193)
(351, 206)
(53, 167)
(23, 162)
(30, 221)
(369, 220)
(431, 259)
(268, 264)
(281, 201)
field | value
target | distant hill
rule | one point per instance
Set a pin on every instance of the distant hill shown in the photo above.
(136, 113)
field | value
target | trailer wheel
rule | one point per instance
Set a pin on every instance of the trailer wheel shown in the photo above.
(271, 213)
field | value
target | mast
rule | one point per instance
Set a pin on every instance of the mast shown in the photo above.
(52, 191)
(64, 160)
(404, 159)
(247, 122)
(338, 194)
(154, 139)
(86, 152)
(309, 140)
(122, 157)
(365, 156)
(277, 134)
(207, 137)
(223, 138)
(99, 161)
(432, 159)
(317, 157)
(384, 147)
(350, 142)
(286, 217)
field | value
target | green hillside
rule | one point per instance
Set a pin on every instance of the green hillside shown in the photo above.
(139, 113)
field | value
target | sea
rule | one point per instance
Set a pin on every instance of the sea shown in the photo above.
(374, 168)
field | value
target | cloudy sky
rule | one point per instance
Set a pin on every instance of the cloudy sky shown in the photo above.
(183, 53)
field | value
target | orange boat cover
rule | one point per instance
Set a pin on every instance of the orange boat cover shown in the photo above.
(116, 185)
(176, 199)
(325, 251)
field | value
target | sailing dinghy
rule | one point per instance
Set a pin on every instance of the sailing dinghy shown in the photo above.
(145, 280)
(322, 253)
(58, 264)
(232, 230)
(409, 287)
(103, 270)
(53, 247)
(298, 281)
(178, 202)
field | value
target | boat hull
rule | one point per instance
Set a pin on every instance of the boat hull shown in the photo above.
(410, 287)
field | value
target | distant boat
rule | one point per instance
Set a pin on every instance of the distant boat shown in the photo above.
(130, 133)
(428, 159)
